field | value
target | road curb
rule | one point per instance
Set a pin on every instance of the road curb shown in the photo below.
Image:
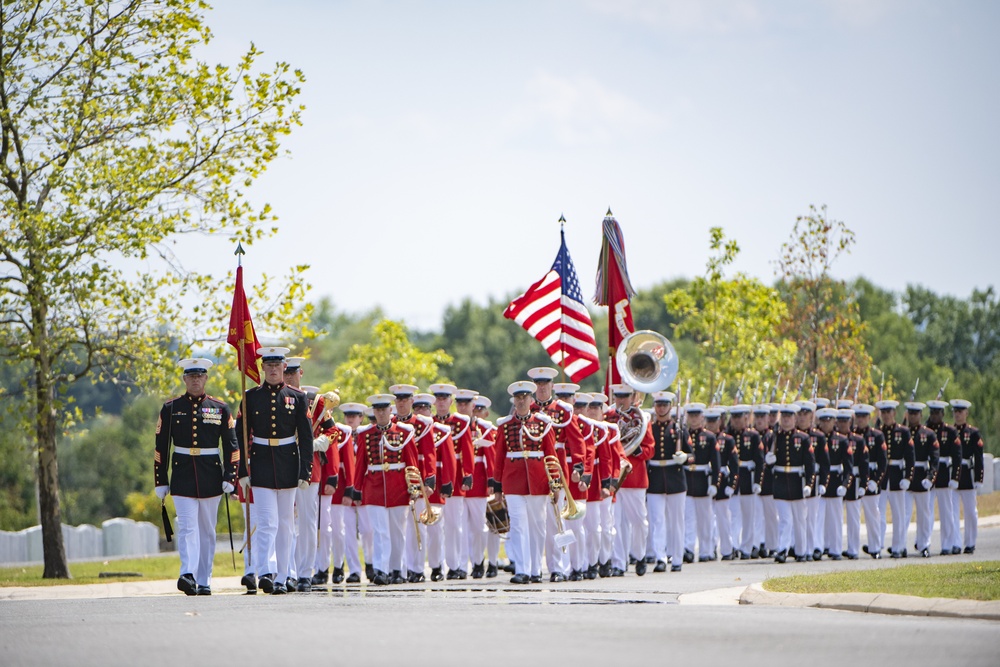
(876, 603)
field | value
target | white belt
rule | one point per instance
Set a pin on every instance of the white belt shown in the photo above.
(920, 464)
(749, 465)
(706, 467)
(274, 442)
(440, 464)
(196, 451)
(944, 461)
(854, 471)
(898, 463)
(479, 459)
(967, 463)
(790, 470)
(383, 467)
(559, 445)
(837, 468)
(662, 464)
(524, 455)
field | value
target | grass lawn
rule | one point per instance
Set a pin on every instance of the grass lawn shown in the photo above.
(969, 581)
(151, 568)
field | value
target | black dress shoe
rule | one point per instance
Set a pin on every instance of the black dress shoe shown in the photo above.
(864, 547)
(850, 556)
(557, 577)
(904, 553)
(877, 555)
(895, 554)
(791, 552)
(187, 585)
(801, 559)
(925, 553)
(817, 554)
(755, 553)
(604, 570)
(353, 578)
(397, 578)
(436, 574)
(956, 550)
(631, 560)
(250, 581)
(781, 556)
(509, 567)
(660, 566)
(617, 572)
(688, 556)
(728, 556)
(337, 576)
(204, 590)
(704, 559)
(279, 589)
(370, 572)
(675, 568)
(535, 578)
(520, 579)
(266, 583)
(380, 578)
(462, 574)
(304, 586)
(744, 555)
(650, 560)
(322, 577)
(477, 570)
(575, 575)
(415, 578)
(946, 552)
(970, 550)
(640, 568)
(591, 572)
(836, 557)
(491, 571)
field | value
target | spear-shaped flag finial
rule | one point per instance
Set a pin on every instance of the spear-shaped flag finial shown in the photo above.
(239, 253)
(562, 221)
(609, 214)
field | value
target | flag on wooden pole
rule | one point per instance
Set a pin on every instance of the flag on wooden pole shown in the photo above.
(241, 332)
(615, 291)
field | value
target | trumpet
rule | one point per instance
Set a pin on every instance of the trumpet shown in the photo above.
(430, 515)
(572, 512)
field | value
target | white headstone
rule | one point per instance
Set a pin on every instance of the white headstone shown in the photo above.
(13, 547)
(988, 476)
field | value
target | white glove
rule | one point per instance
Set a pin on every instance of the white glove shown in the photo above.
(821, 490)
(872, 486)
(841, 491)
(728, 491)
(770, 458)
(926, 483)
(953, 484)
(712, 490)
(227, 487)
(680, 458)
(755, 488)
(904, 484)
(978, 485)
(860, 492)
(807, 491)
(304, 484)
(245, 485)
(321, 443)
(162, 491)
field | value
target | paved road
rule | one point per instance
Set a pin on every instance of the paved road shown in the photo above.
(630, 621)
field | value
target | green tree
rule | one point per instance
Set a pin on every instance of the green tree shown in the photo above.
(389, 359)
(823, 318)
(115, 140)
(733, 322)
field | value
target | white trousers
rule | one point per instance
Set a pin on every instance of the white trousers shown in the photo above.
(351, 517)
(196, 535)
(493, 547)
(758, 519)
(526, 538)
(436, 538)
(475, 528)
(723, 520)
(388, 524)
(703, 524)
(366, 535)
(631, 532)
(814, 523)
(833, 525)
(873, 522)
(769, 509)
(736, 520)
(415, 555)
(900, 519)
(924, 503)
(792, 528)
(248, 529)
(578, 557)
(883, 506)
(307, 520)
(971, 515)
(272, 541)
(853, 511)
(949, 529)
(656, 513)
(600, 531)
(748, 511)
(555, 559)
(690, 524)
(324, 544)
(456, 546)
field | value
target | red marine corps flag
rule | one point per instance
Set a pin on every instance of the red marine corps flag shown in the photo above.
(241, 333)
(614, 291)
(552, 311)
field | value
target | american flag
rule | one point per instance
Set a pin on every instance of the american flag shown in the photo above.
(552, 311)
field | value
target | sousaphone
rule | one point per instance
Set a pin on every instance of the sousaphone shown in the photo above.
(647, 362)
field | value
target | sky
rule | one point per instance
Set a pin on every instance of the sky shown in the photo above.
(442, 140)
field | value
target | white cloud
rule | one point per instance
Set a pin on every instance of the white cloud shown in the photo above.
(579, 111)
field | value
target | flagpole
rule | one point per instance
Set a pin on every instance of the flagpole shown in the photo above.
(562, 329)
(241, 361)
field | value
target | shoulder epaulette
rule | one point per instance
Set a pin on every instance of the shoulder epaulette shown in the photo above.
(365, 428)
(405, 427)
(544, 417)
(504, 420)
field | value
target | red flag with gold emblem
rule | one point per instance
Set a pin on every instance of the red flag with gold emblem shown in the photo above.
(614, 290)
(241, 333)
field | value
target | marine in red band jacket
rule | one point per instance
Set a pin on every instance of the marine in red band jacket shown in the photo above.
(383, 454)
(529, 440)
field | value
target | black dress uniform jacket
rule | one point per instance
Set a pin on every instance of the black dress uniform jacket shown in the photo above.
(729, 466)
(877, 459)
(972, 457)
(840, 452)
(899, 446)
(859, 468)
(793, 469)
(195, 423)
(274, 413)
(950, 454)
(767, 475)
(750, 450)
(705, 453)
(821, 468)
(926, 453)
(668, 478)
